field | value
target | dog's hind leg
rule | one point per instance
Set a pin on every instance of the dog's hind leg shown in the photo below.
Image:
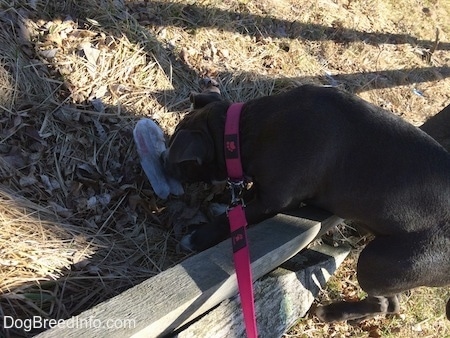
(366, 308)
(390, 265)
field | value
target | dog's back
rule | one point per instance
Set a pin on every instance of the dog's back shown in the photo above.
(353, 146)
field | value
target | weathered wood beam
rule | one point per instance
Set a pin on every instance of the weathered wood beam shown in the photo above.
(281, 297)
(178, 295)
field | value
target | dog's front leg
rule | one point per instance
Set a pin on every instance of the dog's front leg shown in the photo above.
(207, 235)
(212, 233)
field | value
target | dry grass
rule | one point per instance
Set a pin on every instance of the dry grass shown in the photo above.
(79, 220)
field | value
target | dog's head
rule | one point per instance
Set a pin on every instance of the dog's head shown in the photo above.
(191, 152)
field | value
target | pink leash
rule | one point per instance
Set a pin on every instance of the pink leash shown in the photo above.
(236, 216)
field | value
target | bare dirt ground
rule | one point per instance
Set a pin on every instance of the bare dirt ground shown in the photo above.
(79, 220)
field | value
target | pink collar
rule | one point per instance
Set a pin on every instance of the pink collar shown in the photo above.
(237, 219)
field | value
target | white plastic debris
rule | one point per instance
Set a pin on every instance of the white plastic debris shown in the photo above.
(150, 143)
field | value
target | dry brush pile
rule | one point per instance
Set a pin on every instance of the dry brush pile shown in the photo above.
(79, 220)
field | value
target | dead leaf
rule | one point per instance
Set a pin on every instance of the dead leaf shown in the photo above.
(101, 92)
(101, 133)
(104, 199)
(49, 53)
(91, 203)
(50, 184)
(184, 55)
(15, 158)
(90, 52)
(34, 134)
(27, 181)
(60, 210)
(224, 53)
(66, 114)
(55, 38)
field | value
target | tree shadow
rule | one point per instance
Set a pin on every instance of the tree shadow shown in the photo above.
(160, 14)
(192, 16)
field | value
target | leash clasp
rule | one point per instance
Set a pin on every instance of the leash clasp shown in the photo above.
(237, 190)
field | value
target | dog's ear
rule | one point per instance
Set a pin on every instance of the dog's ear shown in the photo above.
(189, 145)
(200, 100)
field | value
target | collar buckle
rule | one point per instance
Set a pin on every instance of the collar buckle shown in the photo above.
(236, 188)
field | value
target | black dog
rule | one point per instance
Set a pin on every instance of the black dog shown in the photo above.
(330, 149)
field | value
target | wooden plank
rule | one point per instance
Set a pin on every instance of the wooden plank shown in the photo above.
(281, 297)
(176, 296)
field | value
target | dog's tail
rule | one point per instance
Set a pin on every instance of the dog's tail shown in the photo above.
(447, 309)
